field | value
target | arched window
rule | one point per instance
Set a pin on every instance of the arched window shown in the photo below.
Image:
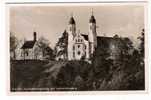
(70, 28)
(73, 47)
(73, 54)
(26, 53)
(78, 46)
(79, 52)
(85, 53)
(22, 54)
(91, 27)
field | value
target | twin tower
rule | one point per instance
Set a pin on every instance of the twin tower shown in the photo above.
(85, 47)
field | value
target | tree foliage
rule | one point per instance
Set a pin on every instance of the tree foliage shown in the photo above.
(125, 73)
(13, 45)
(47, 51)
(61, 45)
(141, 46)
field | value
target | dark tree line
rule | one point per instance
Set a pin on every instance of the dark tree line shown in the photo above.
(13, 45)
(62, 46)
(47, 51)
(127, 73)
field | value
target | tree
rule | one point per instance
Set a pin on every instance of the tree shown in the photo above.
(100, 67)
(126, 49)
(132, 69)
(61, 45)
(124, 74)
(141, 46)
(47, 51)
(13, 45)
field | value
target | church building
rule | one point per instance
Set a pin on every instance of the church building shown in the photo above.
(78, 46)
(82, 46)
(30, 50)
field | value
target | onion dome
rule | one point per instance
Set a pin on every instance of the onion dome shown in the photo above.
(92, 19)
(72, 21)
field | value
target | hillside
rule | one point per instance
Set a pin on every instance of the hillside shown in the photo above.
(51, 75)
(36, 75)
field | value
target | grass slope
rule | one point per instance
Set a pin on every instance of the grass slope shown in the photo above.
(43, 74)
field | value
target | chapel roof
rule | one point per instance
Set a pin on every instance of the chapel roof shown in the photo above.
(28, 45)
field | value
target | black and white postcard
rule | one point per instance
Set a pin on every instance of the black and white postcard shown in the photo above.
(60, 47)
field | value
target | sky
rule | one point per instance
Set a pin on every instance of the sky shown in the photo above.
(50, 21)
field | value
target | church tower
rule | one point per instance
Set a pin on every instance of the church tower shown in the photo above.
(92, 35)
(71, 36)
(72, 26)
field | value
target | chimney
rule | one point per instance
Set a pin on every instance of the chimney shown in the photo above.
(35, 36)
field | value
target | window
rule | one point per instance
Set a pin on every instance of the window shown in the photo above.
(73, 47)
(73, 54)
(79, 52)
(70, 28)
(22, 54)
(26, 53)
(91, 27)
(76, 40)
(85, 53)
(78, 46)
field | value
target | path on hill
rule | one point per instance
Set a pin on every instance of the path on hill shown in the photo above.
(54, 67)
(32, 73)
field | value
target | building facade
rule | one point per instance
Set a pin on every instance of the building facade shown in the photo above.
(30, 50)
(78, 46)
(82, 46)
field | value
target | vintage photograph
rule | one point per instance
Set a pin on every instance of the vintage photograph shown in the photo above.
(77, 47)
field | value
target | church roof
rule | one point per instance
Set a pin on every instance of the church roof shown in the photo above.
(85, 36)
(103, 40)
(72, 21)
(28, 45)
(92, 19)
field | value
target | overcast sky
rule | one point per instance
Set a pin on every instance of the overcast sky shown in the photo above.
(51, 21)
